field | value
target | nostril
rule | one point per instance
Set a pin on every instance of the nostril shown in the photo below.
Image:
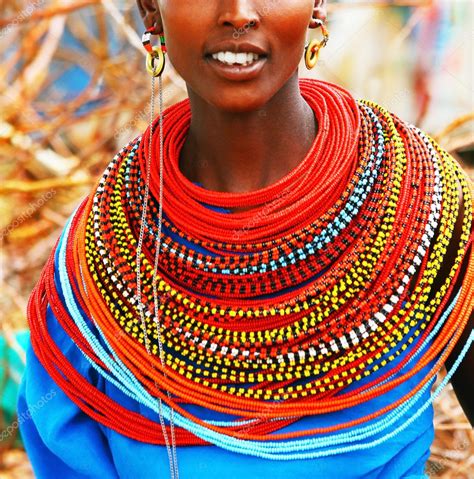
(239, 19)
(240, 25)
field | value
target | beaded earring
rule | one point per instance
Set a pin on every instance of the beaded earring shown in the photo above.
(155, 58)
(313, 47)
(155, 64)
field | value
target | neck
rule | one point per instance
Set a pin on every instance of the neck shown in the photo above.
(245, 151)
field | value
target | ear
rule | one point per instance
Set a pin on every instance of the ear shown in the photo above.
(319, 12)
(150, 12)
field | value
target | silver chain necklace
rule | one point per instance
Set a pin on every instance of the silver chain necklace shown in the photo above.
(171, 450)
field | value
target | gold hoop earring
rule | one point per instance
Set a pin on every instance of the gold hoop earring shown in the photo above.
(155, 57)
(313, 48)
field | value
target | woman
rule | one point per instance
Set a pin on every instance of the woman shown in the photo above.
(266, 287)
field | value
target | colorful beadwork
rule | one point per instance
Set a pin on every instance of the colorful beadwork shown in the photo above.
(280, 309)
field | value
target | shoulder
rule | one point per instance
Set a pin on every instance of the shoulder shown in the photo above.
(453, 237)
(458, 256)
(459, 220)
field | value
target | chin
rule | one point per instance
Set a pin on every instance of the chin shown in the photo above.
(237, 99)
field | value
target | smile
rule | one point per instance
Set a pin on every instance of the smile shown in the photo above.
(231, 58)
(236, 66)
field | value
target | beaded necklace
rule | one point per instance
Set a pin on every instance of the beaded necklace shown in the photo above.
(317, 297)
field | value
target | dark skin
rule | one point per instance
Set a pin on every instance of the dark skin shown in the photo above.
(238, 140)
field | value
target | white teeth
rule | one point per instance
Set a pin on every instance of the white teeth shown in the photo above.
(242, 57)
(230, 58)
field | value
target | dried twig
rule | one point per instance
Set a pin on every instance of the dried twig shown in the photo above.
(47, 13)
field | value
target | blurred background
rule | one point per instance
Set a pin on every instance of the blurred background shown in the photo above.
(73, 90)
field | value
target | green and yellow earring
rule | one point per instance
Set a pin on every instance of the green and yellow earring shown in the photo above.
(155, 59)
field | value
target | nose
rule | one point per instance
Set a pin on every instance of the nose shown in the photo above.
(238, 14)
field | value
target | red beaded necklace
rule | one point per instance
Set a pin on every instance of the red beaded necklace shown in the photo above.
(306, 192)
(327, 281)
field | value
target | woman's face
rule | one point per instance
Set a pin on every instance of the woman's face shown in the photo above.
(273, 29)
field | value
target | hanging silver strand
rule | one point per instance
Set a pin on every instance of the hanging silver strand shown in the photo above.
(171, 451)
(155, 272)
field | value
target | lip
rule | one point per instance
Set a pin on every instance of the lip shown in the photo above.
(237, 72)
(236, 47)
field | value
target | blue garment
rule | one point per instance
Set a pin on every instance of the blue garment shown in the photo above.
(64, 442)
